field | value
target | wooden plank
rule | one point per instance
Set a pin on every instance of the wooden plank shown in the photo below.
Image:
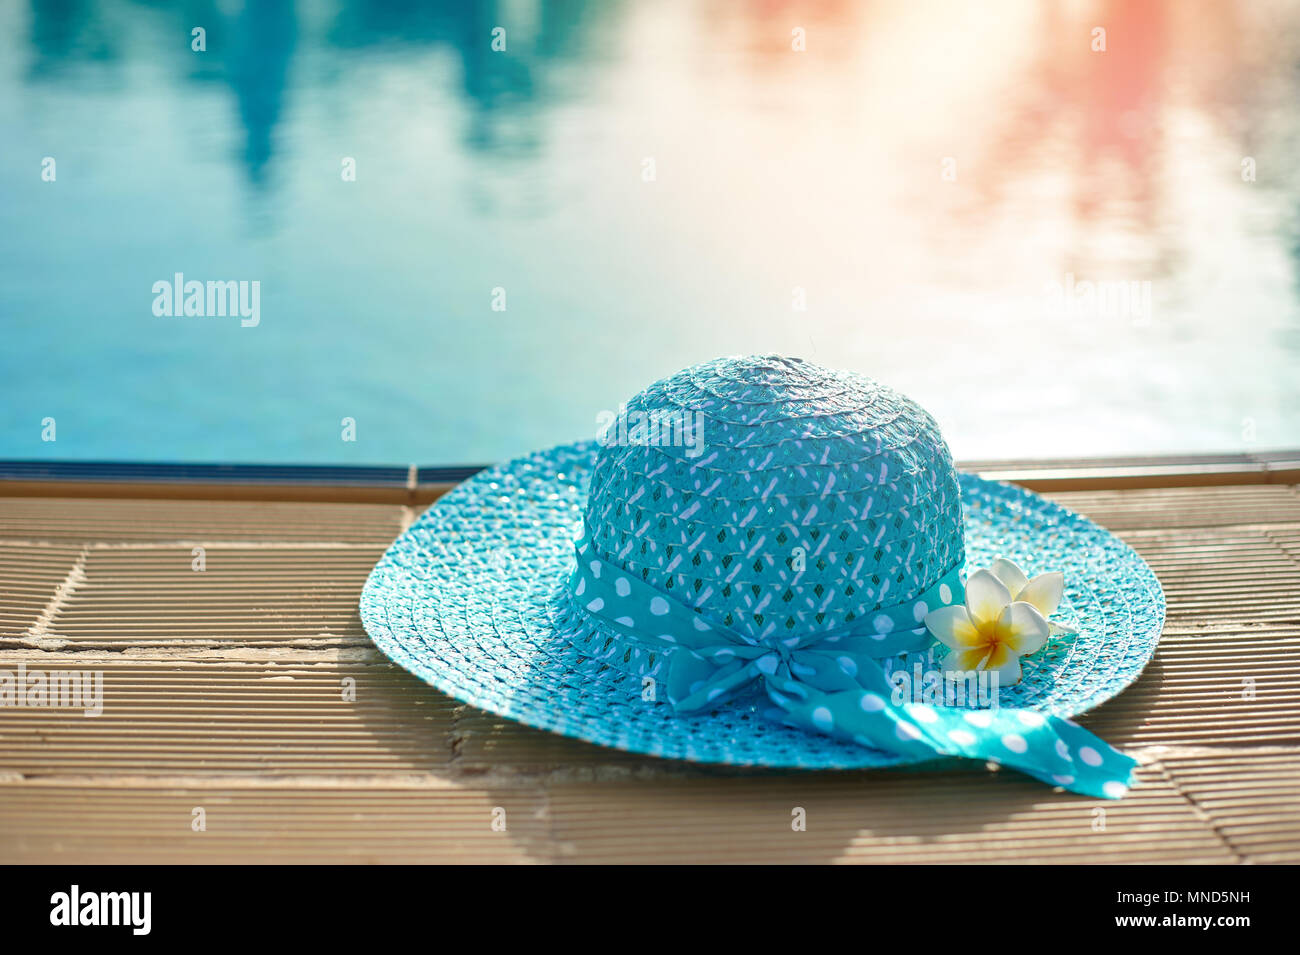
(269, 714)
(217, 492)
(138, 821)
(276, 595)
(1251, 800)
(883, 817)
(30, 579)
(885, 820)
(1181, 507)
(115, 521)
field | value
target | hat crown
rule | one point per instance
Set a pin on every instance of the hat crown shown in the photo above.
(776, 496)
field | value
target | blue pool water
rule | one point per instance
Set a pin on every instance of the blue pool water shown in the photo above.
(1057, 250)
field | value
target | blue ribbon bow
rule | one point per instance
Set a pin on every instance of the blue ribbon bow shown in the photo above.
(831, 682)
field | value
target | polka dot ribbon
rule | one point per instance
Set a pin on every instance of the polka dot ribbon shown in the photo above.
(831, 682)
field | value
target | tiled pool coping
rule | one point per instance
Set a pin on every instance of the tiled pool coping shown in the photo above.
(420, 484)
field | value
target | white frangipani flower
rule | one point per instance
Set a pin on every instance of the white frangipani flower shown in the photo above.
(1005, 618)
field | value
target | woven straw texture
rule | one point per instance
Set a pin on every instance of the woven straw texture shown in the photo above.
(473, 597)
(794, 464)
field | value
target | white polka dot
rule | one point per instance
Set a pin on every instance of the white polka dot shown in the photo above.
(920, 610)
(700, 623)
(1064, 778)
(872, 702)
(1030, 718)
(667, 638)
(848, 665)
(658, 606)
(1090, 755)
(767, 663)
(595, 569)
(961, 737)
(1015, 742)
(925, 714)
(883, 624)
(822, 719)
(714, 693)
(945, 594)
(800, 670)
(622, 587)
(581, 588)
(1062, 750)
(596, 605)
(626, 621)
(979, 718)
(1113, 789)
(906, 730)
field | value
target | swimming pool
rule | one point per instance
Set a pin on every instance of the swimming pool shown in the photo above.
(455, 253)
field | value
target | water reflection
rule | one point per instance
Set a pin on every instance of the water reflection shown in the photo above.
(251, 46)
(821, 170)
(262, 50)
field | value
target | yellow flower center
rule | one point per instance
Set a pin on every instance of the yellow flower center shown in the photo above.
(989, 633)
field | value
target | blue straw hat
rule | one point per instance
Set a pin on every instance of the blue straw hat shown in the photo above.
(763, 562)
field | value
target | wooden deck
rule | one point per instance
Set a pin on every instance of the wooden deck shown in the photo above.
(224, 691)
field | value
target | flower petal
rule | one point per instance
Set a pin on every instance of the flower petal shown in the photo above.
(1021, 628)
(953, 628)
(985, 597)
(1061, 630)
(1044, 592)
(965, 661)
(1006, 664)
(1010, 574)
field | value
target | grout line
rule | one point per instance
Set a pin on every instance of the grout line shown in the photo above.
(361, 783)
(357, 651)
(453, 741)
(293, 650)
(552, 848)
(39, 632)
(1147, 531)
(412, 486)
(491, 778)
(1277, 545)
(1199, 812)
(1158, 753)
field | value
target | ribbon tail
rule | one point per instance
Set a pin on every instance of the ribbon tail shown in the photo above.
(694, 684)
(1051, 749)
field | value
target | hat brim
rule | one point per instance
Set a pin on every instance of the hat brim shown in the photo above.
(472, 599)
